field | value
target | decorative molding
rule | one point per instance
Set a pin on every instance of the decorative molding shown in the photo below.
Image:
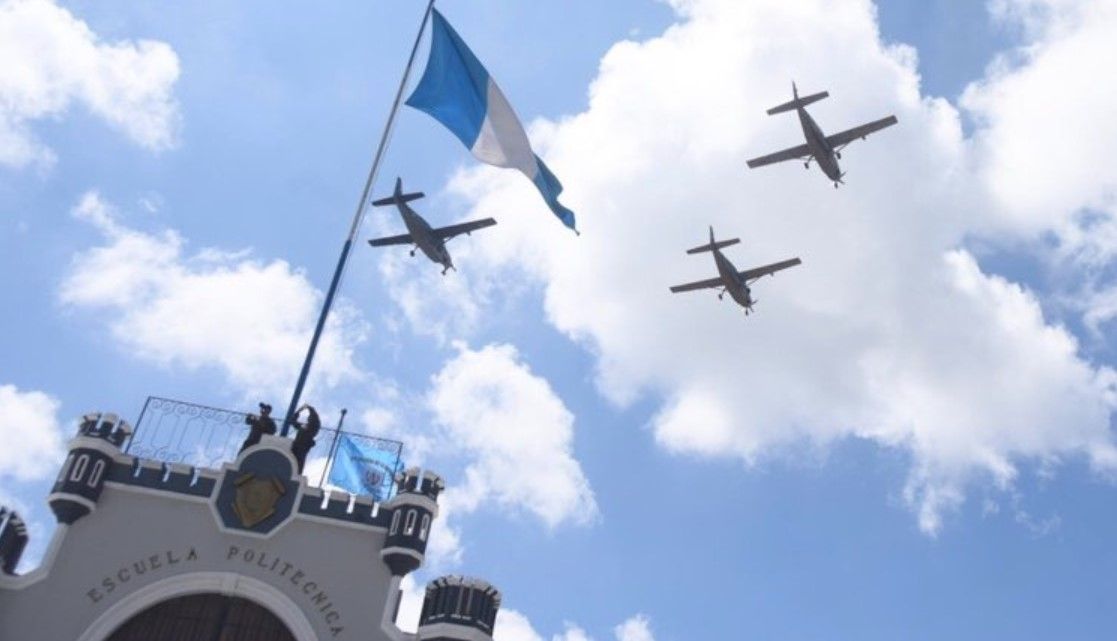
(412, 500)
(73, 498)
(452, 631)
(86, 442)
(154, 491)
(227, 583)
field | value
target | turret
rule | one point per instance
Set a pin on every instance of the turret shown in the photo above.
(458, 608)
(413, 508)
(13, 538)
(79, 484)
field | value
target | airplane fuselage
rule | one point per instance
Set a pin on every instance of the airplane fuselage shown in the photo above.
(821, 150)
(731, 279)
(425, 239)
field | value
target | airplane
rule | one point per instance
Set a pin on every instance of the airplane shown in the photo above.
(420, 233)
(827, 150)
(731, 281)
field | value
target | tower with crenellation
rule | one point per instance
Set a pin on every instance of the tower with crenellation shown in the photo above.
(247, 550)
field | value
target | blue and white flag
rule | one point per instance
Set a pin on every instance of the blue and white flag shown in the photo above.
(363, 467)
(458, 92)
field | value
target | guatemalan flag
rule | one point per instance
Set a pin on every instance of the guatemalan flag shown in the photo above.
(457, 91)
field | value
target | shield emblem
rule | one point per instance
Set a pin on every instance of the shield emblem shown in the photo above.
(256, 498)
(374, 477)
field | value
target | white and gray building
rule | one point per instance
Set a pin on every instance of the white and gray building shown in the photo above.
(152, 551)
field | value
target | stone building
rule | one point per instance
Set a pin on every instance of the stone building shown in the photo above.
(153, 551)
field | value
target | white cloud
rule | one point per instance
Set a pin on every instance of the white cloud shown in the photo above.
(53, 61)
(434, 305)
(247, 318)
(1044, 146)
(1046, 115)
(513, 626)
(33, 438)
(514, 436)
(890, 331)
(517, 434)
(571, 633)
(637, 628)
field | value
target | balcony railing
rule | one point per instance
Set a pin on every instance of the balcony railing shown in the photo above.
(207, 437)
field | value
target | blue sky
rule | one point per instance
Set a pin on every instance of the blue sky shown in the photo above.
(911, 439)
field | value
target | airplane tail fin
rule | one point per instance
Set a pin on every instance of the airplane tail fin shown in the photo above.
(797, 102)
(713, 244)
(398, 198)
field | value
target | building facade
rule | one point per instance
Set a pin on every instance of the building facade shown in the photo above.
(150, 551)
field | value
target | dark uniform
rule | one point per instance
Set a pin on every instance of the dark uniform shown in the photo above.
(258, 426)
(304, 440)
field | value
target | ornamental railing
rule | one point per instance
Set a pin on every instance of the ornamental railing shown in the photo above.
(208, 437)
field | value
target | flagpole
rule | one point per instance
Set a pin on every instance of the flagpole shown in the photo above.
(354, 228)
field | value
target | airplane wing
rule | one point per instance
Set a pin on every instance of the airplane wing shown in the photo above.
(757, 272)
(448, 232)
(794, 153)
(402, 239)
(849, 135)
(702, 284)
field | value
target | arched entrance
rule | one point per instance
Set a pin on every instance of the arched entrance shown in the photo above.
(204, 617)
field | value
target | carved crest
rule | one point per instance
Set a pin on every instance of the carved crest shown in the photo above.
(256, 498)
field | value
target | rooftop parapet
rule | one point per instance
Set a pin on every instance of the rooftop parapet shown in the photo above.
(105, 426)
(453, 601)
(416, 481)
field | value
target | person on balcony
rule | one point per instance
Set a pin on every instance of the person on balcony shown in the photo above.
(258, 426)
(304, 440)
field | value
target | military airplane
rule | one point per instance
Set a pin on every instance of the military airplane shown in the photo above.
(827, 150)
(420, 233)
(731, 281)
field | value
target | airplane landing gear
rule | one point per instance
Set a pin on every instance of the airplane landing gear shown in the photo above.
(412, 252)
(806, 165)
(838, 154)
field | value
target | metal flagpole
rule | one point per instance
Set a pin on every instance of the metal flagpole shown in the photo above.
(355, 227)
(333, 448)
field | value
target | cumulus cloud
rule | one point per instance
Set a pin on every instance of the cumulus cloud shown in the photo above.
(54, 61)
(454, 311)
(247, 318)
(1045, 114)
(1043, 147)
(890, 331)
(571, 633)
(637, 628)
(513, 626)
(517, 433)
(514, 437)
(34, 444)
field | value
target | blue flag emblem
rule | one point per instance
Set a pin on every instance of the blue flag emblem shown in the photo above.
(363, 467)
(458, 92)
